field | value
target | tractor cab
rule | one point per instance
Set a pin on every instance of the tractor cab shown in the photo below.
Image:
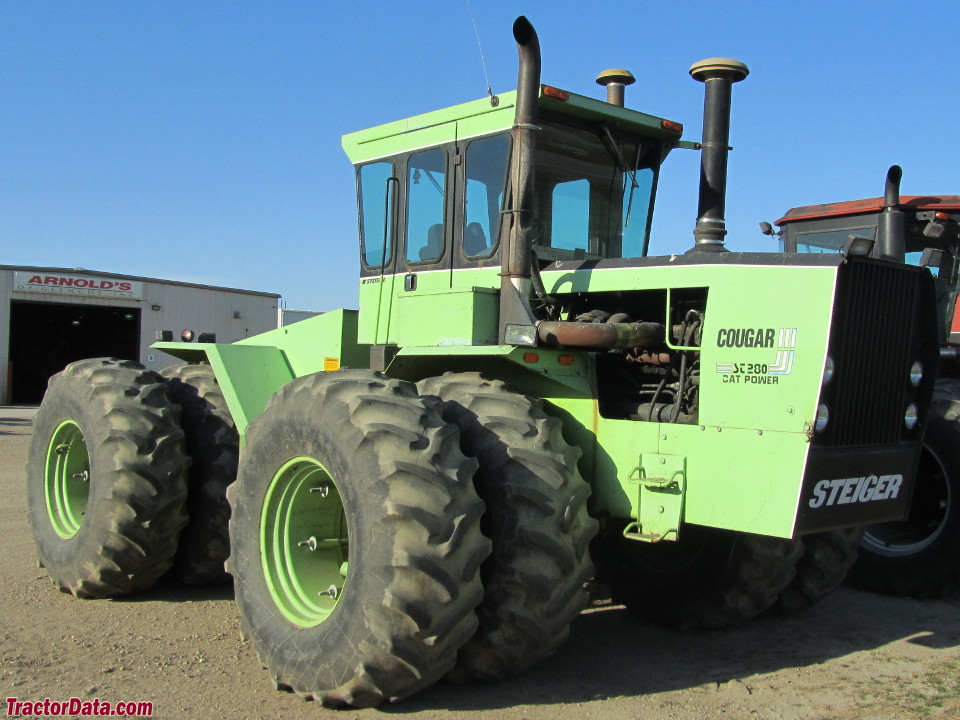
(436, 197)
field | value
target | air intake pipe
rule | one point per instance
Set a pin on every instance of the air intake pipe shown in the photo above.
(615, 81)
(892, 241)
(718, 76)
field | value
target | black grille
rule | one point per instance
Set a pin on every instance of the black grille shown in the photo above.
(884, 320)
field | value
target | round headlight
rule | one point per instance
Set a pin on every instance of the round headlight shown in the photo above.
(823, 417)
(916, 373)
(828, 369)
(910, 416)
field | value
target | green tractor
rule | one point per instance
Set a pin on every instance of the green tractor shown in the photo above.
(920, 555)
(525, 400)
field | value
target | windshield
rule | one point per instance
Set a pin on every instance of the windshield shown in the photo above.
(594, 193)
(946, 274)
(831, 241)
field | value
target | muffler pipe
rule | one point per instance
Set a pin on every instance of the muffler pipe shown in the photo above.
(892, 243)
(718, 76)
(644, 335)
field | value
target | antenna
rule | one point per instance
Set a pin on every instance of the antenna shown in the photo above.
(494, 100)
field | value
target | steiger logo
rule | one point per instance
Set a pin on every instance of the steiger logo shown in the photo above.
(843, 491)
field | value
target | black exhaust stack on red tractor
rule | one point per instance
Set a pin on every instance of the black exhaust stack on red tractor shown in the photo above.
(892, 240)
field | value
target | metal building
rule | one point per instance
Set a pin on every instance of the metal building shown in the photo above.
(50, 317)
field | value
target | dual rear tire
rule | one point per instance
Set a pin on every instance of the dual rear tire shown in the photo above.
(536, 515)
(106, 478)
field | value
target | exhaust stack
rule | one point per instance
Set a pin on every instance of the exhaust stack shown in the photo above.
(892, 231)
(718, 75)
(615, 80)
(515, 279)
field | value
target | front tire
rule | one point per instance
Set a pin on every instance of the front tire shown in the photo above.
(536, 516)
(920, 557)
(356, 542)
(106, 478)
(827, 558)
(708, 579)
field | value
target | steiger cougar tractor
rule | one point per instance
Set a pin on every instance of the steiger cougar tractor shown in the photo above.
(918, 556)
(426, 485)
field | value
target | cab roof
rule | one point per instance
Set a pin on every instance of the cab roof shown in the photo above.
(480, 117)
(869, 206)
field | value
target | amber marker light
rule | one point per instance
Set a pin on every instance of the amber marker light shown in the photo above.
(565, 359)
(555, 93)
(531, 357)
(672, 126)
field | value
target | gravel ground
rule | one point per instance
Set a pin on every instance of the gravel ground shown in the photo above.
(855, 655)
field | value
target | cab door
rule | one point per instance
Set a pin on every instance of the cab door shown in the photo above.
(378, 191)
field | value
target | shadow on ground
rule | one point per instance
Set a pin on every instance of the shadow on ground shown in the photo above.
(611, 653)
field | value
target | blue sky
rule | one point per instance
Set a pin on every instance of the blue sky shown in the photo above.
(201, 140)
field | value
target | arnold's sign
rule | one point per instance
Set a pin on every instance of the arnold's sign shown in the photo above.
(82, 285)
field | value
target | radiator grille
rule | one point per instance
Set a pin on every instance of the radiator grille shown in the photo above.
(883, 317)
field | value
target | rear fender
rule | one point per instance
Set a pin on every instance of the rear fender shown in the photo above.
(251, 370)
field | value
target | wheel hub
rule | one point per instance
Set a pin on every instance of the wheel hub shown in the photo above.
(67, 479)
(304, 542)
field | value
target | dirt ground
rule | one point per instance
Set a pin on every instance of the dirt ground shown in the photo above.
(856, 655)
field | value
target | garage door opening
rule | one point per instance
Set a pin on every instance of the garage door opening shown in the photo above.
(45, 337)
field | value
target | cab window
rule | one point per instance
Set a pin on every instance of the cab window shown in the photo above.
(595, 188)
(376, 217)
(486, 169)
(426, 178)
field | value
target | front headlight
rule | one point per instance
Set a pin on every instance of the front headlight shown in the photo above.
(823, 417)
(520, 335)
(828, 369)
(916, 373)
(910, 416)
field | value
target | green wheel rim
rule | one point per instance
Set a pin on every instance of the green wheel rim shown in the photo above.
(67, 479)
(304, 542)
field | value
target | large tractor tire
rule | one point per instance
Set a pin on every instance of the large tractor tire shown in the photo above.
(106, 478)
(213, 444)
(920, 557)
(827, 558)
(708, 579)
(356, 543)
(536, 515)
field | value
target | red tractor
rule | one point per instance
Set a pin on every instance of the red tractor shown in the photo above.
(919, 557)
